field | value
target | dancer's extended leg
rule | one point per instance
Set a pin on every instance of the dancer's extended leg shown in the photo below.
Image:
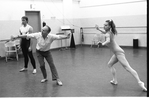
(121, 58)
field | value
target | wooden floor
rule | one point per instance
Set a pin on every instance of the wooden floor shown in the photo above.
(83, 71)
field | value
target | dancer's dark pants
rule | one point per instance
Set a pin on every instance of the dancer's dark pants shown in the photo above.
(25, 44)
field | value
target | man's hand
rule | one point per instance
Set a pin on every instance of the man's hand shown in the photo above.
(27, 33)
(29, 49)
(68, 35)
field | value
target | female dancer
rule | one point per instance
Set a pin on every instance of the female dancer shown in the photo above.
(119, 54)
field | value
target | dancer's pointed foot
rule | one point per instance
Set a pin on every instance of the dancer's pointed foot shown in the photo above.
(141, 84)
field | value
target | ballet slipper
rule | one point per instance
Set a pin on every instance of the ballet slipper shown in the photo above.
(141, 84)
(113, 82)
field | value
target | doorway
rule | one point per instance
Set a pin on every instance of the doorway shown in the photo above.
(35, 22)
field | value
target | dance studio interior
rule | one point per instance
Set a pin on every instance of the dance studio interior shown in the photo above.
(85, 64)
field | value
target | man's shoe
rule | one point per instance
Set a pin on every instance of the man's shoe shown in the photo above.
(44, 80)
(34, 71)
(23, 69)
(59, 82)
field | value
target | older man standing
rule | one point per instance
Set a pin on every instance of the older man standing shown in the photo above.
(44, 40)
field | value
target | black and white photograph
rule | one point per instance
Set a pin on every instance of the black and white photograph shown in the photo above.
(73, 48)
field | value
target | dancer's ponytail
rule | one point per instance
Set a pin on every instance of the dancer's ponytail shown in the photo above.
(113, 27)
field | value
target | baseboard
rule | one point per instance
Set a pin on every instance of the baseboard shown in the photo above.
(133, 47)
(52, 49)
(120, 46)
(78, 45)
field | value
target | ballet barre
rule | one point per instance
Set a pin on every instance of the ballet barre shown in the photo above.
(5, 40)
(122, 30)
